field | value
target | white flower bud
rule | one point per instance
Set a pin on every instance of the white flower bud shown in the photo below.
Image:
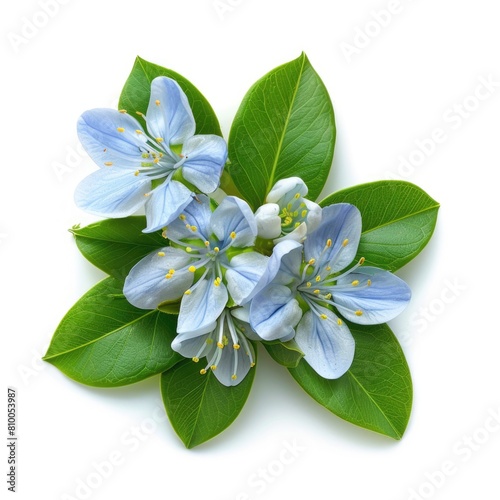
(268, 221)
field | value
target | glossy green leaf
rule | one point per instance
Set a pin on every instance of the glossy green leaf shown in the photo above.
(137, 89)
(398, 220)
(199, 406)
(284, 127)
(376, 392)
(285, 353)
(116, 245)
(104, 341)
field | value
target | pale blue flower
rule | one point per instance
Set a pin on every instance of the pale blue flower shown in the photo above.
(306, 289)
(228, 352)
(208, 265)
(140, 167)
(287, 214)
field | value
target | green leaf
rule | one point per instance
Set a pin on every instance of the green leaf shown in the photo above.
(116, 245)
(285, 353)
(137, 89)
(284, 127)
(199, 406)
(376, 392)
(398, 220)
(104, 341)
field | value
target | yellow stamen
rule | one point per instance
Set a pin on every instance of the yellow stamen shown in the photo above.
(369, 282)
(234, 377)
(138, 131)
(120, 129)
(220, 345)
(312, 262)
(157, 102)
(187, 292)
(196, 360)
(182, 217)
(233, 235)
(316, 292)
(122, 111)
(355, 283)
(359, 313)
(136, 173)
(317, 279)
(308, 284)
(108, 163)
(339, 322)
(203, 371)
(217, 281)
(236, 346)
(297, 196)
(362, 261)
(216, 249)
(328, 242)
(324, 316)
(213, 367)
(345, 242)
(192, 269)
(159, 139)
(189, 249)
(168, 276)
(161, 254)
(194, 228)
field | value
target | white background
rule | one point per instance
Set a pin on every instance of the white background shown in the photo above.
(403, 84)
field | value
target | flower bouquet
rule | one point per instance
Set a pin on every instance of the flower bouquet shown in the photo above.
(234, 250)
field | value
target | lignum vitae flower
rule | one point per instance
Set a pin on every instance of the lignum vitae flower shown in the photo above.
(146, 167)
(307, 290)
(228, 352)
(287, 214)
(208, 265)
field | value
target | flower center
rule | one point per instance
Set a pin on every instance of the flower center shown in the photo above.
(293, 213)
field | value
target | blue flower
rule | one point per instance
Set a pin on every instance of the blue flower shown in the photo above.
(209, 264)
(226, 348)
(139, 167)
(306, 288)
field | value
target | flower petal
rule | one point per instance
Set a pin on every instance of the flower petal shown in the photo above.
(201, 308)
(147, 285)
(283, 267)
(340, 223)
(287, 188)
(169, 115)
(314, 215)
(205, 158)
(111, 137)
(243, 273)
(233, 222)
(195, 215)
(274, 313)
(165, 203)
(382, 300)
(193, 347)
(234, 364)
(328, 346)
(112, 193)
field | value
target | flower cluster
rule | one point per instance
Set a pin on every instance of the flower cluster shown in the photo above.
(228, 293)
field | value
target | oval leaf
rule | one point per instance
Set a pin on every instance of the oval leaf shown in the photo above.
(135, 95)
(398, 220)
(116, 245)
(376, 393)
(199, 406)
(104, 341)
(284, 127)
